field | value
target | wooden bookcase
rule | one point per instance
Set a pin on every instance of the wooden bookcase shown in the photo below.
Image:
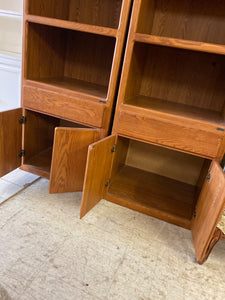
(164, 157)
(72, 54)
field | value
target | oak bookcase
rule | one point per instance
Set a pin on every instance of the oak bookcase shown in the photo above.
(72, 54)
(164, 157)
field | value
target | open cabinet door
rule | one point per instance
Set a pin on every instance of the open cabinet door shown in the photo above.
(10, 140)
(69, 158)
(208, 211)
(99, 163)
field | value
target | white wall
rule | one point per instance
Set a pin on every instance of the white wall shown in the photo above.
(10, 53)
(12, 5)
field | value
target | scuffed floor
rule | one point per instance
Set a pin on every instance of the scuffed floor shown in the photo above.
(47, 252)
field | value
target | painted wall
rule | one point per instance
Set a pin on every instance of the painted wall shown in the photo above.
(10, 53)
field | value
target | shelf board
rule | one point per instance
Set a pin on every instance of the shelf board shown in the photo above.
(39, 164)
(79, 86)
(152, 194)
(179, 109)
(100, 30)
(179, 43)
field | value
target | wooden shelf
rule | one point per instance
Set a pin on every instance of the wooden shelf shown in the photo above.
(186, 20)
(104, 13)
(174, 108)
(106, 31)
(155, 195)
(75, 85)
(70, 60)
(180, 43)
(40, 164)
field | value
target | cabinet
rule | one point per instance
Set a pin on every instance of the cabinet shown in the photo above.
(165, 155)
(72, 53)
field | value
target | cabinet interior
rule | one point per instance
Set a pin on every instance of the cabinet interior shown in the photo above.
(157, 181)
(94, 12)
(175, 81)
(38, 141)
(186, 19)
(69, 59)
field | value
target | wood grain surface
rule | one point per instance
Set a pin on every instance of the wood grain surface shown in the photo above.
(72, 108)
(98, 170)
(152, 194)
(10, 140)
(172, 132)
(69, 158)
(187, 19)
(209, 210)
(102, 13)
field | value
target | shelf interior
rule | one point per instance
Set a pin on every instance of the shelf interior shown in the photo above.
(38, 141)
(178, 109)
(101, 13)
(40, 164)
(76, 85)
(69, 59)
(186, 19)
(177, 81)
(156, 194)
(152, 180)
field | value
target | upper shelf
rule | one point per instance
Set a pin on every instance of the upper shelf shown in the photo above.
(179, 43)
(103, 13)
(183, 24)
(73, 25)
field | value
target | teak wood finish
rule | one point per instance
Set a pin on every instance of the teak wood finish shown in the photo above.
(72, 54)
(169, 125)
(71, 58)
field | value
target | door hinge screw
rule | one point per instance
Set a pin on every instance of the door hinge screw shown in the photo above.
(23, 120)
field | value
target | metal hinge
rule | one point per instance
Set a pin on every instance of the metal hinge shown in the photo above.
(107, 183)
(22, 153)
(208, 176)
(223, 163)
(113, 149)
(220, 128)
(195, 213)
(23, 120)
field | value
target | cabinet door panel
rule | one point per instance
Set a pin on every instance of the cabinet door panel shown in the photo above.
(10, 140)
(69, 158)
(99, 164)
(209, 210)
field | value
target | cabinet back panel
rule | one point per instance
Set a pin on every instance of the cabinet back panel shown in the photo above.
(180, 76)
(186, 19)
(38, 133)
(45, 51)
(40, 130)
(58, 53)
(49, 8)
(94, 12)
(89, 57)
(172, 164)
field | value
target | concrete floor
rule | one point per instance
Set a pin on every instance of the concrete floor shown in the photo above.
(47, 252)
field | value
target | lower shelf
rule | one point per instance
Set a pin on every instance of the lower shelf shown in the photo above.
(177, 109)
(155, 195)
(76, 85)
(39, 164)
